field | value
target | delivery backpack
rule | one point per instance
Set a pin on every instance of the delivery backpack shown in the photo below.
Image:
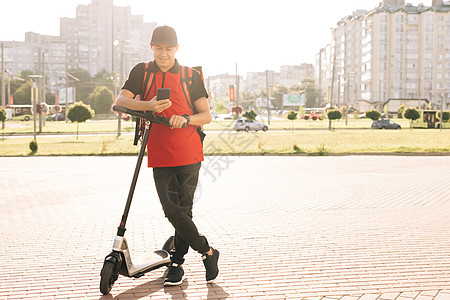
(186, 82)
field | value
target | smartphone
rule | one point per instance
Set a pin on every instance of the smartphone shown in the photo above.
(162, 93)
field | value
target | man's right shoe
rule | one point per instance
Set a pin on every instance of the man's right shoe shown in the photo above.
(211, 263)
(175, 275)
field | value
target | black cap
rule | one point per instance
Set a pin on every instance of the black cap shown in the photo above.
(164, 35)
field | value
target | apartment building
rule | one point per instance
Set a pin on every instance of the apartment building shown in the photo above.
(395, 51)
(293, 75)
(101, 36)
(104, 36)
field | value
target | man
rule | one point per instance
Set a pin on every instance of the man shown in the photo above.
(175, 153)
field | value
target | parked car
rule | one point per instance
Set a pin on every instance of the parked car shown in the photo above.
(26, 117)
(247, 125)
(58, 117)
(385, 124)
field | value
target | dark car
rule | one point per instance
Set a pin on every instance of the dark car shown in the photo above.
(385, 124)
(58, 117)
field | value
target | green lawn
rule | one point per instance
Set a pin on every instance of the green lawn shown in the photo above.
(312, 142)
(17, 126)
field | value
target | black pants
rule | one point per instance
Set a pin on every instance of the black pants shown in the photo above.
(176, 187)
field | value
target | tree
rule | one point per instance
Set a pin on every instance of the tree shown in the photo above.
(79, 112)
(22, 95)
(250, 115)
(237, 110)
(277, 94)
(101, 99)
(24, 74)
(445, 116)
(374, 115)
(401, 110)
(308, 86)
(344, 110)
(105, 78)
(334, 114)
(84, 87)
(220, 108)
(292, 115)
(411, 114)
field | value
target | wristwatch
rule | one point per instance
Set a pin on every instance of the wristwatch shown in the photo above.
(188, 118)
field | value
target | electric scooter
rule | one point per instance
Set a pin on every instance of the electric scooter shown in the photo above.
(119, 262)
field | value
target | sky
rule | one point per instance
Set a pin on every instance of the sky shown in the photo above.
(256, 35)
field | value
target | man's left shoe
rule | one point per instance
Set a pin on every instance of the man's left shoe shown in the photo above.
(211, 265)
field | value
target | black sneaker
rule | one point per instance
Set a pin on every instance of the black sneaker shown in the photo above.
(175, 276)
(211, 265)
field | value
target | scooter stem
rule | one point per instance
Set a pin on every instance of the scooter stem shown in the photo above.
(121, 229)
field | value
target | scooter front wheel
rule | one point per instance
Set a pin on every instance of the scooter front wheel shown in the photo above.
(169, 245)
(107, 277)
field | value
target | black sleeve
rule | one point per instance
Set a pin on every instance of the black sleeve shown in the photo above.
(135, 79)
(198, 87)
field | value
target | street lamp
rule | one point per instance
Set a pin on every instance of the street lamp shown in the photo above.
(122, 53)
(442, 109)
(34, 96)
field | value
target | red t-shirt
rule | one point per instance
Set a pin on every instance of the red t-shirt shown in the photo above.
(170, 147)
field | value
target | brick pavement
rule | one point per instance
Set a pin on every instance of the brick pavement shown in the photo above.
(356, 227)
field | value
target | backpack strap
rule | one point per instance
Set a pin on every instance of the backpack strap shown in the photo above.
(186, 78)
(186, 83)
(147, 84)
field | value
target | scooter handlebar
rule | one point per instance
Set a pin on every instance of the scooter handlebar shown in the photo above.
(146, 115)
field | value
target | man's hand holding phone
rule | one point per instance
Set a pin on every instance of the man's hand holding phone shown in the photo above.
(161, 101)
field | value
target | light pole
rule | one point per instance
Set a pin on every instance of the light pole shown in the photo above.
(34, 98)
(442, 110)
(122, 53)
(268, 103)
(350, 78)
(3, 79)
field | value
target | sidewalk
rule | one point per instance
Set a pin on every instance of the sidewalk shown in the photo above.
(354, 227)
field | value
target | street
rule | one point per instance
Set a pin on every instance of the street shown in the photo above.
(350, 227)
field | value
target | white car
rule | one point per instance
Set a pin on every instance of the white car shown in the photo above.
(247, 125)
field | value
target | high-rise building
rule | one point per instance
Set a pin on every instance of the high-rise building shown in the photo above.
(104, 36)
(101, 37)
(293, 75)
(395, 51)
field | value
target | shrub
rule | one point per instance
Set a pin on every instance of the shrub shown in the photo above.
(411, 114)
(445, 116)
(79, 112)
(334, 114)
(292, 115)
(374, 115)
(237, 110)
(250, 115)
(2, 114)
(33, 146)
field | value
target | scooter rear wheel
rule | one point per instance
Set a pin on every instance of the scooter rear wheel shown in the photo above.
(107, 277)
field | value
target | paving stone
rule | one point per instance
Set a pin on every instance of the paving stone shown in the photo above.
(356, 227)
